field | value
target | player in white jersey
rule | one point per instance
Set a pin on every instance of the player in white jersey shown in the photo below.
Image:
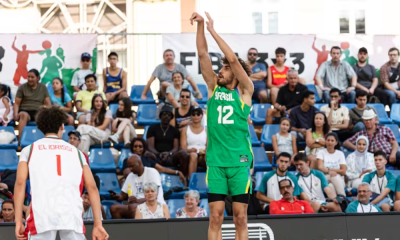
(57, 172)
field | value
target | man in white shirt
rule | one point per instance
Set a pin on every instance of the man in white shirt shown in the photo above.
(78, 80)
(132, 190)
(362, 205)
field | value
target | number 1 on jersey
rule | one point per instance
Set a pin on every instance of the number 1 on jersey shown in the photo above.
(58, 165)
(229, 111)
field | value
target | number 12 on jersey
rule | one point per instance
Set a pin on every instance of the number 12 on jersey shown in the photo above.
(227, 111)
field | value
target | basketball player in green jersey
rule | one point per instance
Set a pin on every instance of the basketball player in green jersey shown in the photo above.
(229, 155)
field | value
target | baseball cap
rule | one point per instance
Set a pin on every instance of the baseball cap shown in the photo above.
(363, 49)
(198, 109)
(86, 55)
(76, 133)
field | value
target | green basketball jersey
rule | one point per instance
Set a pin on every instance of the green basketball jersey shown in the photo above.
(229, 143)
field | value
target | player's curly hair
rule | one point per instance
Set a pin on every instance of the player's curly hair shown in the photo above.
(245, 66)
(49, 120)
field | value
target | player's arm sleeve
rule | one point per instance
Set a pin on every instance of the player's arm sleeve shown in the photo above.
(368, 178)
(24, 156)
(82, 158)
(351, 208)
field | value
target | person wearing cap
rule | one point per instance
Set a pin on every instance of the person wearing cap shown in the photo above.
(114, 79)
(390, 76)
(336, 74)
(78, 80)
(380, 138)
(367, 79)
(194, 141)
(183, 113)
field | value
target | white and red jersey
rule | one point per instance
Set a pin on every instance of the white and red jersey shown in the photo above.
(56, 179)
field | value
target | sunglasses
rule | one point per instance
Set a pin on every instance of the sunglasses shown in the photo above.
(253, 54)
(137, 146)
(183, 96)
(196, 114)
(285, 187)
(166, 113)
(85, 60)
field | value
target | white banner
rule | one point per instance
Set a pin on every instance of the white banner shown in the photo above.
(305, 53)
(53, 55)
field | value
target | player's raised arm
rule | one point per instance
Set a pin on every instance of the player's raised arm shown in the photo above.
(202, 50)
(240, 73)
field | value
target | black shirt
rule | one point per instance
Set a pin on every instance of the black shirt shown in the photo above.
(302, 119)
(146, 161)
(163, 143)
(179, 118)
(288, 98)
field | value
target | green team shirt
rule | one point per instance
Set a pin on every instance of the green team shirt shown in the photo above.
(229, 143)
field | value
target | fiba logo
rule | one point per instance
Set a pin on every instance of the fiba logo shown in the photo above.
(259, 231)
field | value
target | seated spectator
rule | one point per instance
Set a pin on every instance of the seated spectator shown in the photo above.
(151, 208)
(84, 98)
(139, 147)
(359, 163)
(6, 105)
(123, 123)
(61, 98)
(98, 124)
(283, 141)
(302, 116)
(397, 196)
(315, 138)
(164, 73)
(336, 74)
(332, 163)
(87, 209)
(382, 138)
(114, 79)
(288, 204)
(338, 116)
(183, 113)
(289, 96)
(173, 92)
(268, 190)
(315, 185)
(258, 76)
(78, 80)
(356, 123)
(194, 140)
(362, 205)
(390, 76)
(29, 98)
(383, 183)
(191, 208)
(7, 211)
(133, 190)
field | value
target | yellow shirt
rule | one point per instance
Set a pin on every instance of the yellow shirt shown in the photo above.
(86, 98)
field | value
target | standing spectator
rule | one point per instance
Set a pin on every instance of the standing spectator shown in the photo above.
(302, 116)
(362, 205)
(133, 189)
(183, 113)
(98, 125)
(194, 140)
(380, 138)
(289, 96)
(277, 74)
(356, 123)
(123, 123)
(191, 208)
(288, 204)
(78, 80)
(338, 115)
(336, 74)
(359, 163)
(87, 209)
(6, 108)
(367, 79)
(84, 98)
(151, 208)
(315, 185)
(29, 98)
(7, 211)
(332, 163)
(390, 76)
(315, 138)
(114, 79)
(61, 98)
(283, 141)
(164, 73)
(258, 76)
(383, 183)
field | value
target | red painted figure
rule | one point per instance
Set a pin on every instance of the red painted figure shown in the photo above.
(322, 56)
(22, 62)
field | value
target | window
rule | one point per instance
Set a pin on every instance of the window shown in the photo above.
(273, 22)
(360, 22)
(344, 22)
(257, 18)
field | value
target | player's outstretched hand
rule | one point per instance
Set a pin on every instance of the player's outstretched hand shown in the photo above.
(210, 23)
(19, 231)
(99, 233)
(196, 18)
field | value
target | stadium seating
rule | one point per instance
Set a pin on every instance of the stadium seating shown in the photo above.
(8, 159)
(125, 153)
(31, 123)
(104, 145)
(14, 143)
(395, 130)
(254, 139)
(67, 129)
(382, 115)
(198, 182)
(101, 160)
(169, 182)
(267, 132)
(261, 161)
(136, 93)
(107, 205)
(29, 135)
(204, 92)
(174, 205)
(395, 113)
(259, 176)
(319, 105)
(313, 89)
(108, 182)
(146, 115)
(259, 113)
(113, 107)
(204, 204)
(146, 128)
